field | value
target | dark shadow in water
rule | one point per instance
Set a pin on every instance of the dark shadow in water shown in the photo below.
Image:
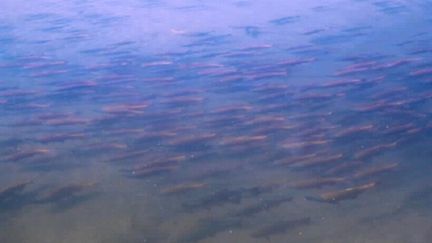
(261, 206)
(50, 165)
(419, 201)
(210, 227)
(70, 202)
(280, 227)
(16, 202)
(142, 236)
(390, 7)
(11, 143)
(226, 196)
(337, 38)
(252, 31)
(285, 20)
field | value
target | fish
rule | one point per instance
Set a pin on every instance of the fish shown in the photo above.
(77, 86)
(285, 20)
(270, 88)
(318, 97)
(256, 48)
(26, 154)
(156, 135)
(243, 140)
(60, 137)
(317, 182)
(342, 83)
(344, 194)
(108, 146)
(48, 73)
(65, 121)
(320, 160)
(158, 161)
(332, 39)
(371, 151)
(41, 65)
(295, 159)
(395, 129)
(146, 172)
(274, 128)
(376, 106)
(354, 130)
(373, 66)
(191, 139)
(294, 62)
(157, 64)
(185, 187)
(375, 170)
(311, 32)
(184, 100)
(260, 75)
(126, 109)
(265, 120)
(290, 144)
(228, 109)
(421, 72)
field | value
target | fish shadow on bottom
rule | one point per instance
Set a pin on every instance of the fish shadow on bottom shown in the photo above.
(419, 202)
(212, 227)
(281, 227)
(69, 203)
(138, 238)
(66, 197)
(226, 196)
(16, 202)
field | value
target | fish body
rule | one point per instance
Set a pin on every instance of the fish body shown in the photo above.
(375, 170)
(347, 193)
(368, 152)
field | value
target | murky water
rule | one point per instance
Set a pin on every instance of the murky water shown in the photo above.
(215, 121)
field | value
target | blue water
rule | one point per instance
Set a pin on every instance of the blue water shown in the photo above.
(203, 121)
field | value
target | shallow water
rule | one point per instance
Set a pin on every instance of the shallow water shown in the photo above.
(198, 121)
